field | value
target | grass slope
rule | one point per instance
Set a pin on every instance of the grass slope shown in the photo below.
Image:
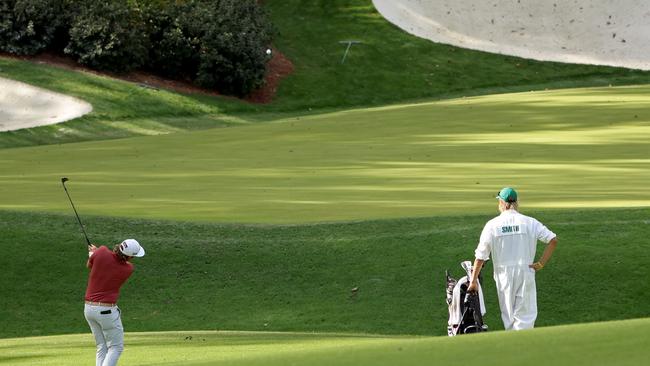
(389, 67)
(120, 109)
(392, 65)
(299, 277)
(563, 149)
(611, 343)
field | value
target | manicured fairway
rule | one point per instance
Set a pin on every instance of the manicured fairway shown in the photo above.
(561, 149)
(611, 343)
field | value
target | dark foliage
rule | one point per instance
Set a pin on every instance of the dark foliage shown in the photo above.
(217, 44)
(234, 37)
(28, 27)
(175, 53)
(108, 35)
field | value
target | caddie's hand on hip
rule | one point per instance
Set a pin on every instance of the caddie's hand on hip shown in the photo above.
(536, 266)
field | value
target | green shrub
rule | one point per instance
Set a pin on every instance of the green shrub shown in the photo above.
(108, 35)
(29, 26)
(234, 35)
(175, 51)
(218, 44)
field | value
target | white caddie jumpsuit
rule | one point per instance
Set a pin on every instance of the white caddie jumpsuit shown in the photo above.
(511, 239)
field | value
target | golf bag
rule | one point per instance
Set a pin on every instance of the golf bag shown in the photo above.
(465, 310)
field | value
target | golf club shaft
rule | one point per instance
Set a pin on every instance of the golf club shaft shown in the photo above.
(75, 213)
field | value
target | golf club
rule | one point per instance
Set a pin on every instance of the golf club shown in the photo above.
(63, 180)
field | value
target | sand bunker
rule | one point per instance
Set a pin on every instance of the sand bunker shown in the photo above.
(25, 106)
(602, 32)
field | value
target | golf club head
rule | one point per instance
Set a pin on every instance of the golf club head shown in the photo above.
(64, 179)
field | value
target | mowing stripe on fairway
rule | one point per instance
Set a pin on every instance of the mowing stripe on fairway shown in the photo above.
(561, 149)
(609, 343)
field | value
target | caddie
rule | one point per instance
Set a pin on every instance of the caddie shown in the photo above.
(108, 272)
(511, 240)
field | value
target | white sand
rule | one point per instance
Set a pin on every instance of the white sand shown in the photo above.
(25, 106)
(602, 32)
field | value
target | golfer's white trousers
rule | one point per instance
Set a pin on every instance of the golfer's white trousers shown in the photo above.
(517, 296)
(108, 332)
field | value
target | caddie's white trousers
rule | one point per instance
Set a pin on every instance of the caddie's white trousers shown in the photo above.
(517, 296)
(108, 332)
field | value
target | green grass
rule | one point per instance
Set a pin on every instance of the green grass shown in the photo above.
(120, 109)
(299, 277)
(612, 343)
(562, 149)
(391, 66)
(577, 156)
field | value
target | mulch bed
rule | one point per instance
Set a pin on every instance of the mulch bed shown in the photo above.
(278, 67)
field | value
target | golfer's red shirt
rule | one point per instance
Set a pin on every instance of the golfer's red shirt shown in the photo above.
(107, 275)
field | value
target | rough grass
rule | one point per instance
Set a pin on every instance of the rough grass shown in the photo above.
(300, 277)
(392, 65)
(120, 109)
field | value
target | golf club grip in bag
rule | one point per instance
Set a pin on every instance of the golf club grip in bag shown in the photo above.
(465, 309)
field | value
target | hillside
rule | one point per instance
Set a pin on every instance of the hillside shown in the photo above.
(389, 67)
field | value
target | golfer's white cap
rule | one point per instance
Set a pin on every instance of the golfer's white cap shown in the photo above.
(132, 248)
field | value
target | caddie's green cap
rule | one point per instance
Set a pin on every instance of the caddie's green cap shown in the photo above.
(508, 194)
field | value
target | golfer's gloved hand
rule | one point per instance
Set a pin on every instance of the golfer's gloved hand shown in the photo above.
(91, 250)
(536, 266)
(472, 288)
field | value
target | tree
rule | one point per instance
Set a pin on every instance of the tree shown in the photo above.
(28, 27)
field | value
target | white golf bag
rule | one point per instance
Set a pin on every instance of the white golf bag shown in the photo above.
(465, 310)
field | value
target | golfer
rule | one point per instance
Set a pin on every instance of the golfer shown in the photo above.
(108, 272)
(511, 238)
